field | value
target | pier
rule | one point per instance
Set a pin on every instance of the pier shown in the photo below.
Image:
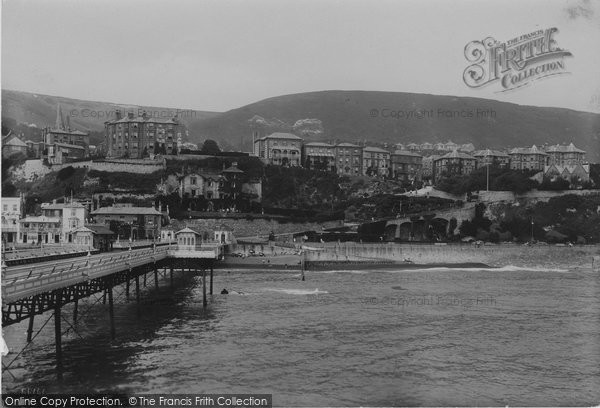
(48, 285)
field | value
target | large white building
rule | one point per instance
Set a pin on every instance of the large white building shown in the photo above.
(72, 215)
(12, 212)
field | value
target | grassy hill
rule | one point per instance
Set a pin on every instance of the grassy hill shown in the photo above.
(40, 110)
(346, 115)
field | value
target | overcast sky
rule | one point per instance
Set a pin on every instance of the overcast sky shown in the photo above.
(222, 54)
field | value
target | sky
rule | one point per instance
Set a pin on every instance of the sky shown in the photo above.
(217, 55)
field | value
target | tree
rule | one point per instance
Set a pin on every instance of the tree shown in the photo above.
(210, 147)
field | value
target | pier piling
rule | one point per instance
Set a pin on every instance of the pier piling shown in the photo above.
(137, 294)
(30, 328)
(211, 279)
(204, 287)
(57, 338)
(111, 312)
(75, 310)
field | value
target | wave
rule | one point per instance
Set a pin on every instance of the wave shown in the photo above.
(340, 271)
(507, 268)
(297, 291)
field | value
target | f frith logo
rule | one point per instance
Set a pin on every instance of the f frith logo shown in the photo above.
(514, 63)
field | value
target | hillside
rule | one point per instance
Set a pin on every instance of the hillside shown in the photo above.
(346, 115)
(40, 110)
(342, 115)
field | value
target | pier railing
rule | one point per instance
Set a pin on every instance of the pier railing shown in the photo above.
(28, 280)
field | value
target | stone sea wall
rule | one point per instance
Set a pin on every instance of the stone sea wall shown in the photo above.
(493, 255)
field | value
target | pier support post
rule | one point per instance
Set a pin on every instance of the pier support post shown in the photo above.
(75, 310)
(171, 274)
(104, 297)
(127, 286)
(137, 293)
(155, 277)
(111, 312)
(204, 287)
(145, 273)
(57, 338)
(30, 328)
(211, 279)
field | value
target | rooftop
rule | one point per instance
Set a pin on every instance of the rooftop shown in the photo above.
(564, 149)
(281, 135)
(455, 154)
(375, 149)
(126, 211)
(406, 153)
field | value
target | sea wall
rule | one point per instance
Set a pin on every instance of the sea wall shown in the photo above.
(494, 255)
(32, 169)
(258, 228)
(534, 195)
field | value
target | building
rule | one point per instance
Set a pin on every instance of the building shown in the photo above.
(196, 185)
(61, 143)
(40, 230)
(72, 215)
(574, 173)
(84, 237)
(231, 184)
(280, 149)
(565, 155)
(425, 146)
(528, 158)
(406, 166)
(490, 157)
(348, 159)
(129, 221)
(103, 238)
(140, 136)
(12, 212)
(224, 235)
(187, 238)
(427, 170)
(11, 144)
(376, 162)
(453, 164)
(319, 156)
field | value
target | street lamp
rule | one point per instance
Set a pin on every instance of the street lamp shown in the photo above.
(532, 230)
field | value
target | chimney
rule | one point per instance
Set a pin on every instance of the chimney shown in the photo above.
(117, 114)
(144, 115)
(129, 115)
(54, 201)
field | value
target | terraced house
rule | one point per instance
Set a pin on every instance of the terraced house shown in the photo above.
(348, 159)
(139, 136)
(376, 162)
(319, 156)
(279, 148)
(453, 164)
(406, 165)
(528, 158)
(489, 157)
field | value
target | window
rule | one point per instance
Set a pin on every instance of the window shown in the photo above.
(5, 207)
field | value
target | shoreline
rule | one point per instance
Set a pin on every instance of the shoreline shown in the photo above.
(346, 265)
